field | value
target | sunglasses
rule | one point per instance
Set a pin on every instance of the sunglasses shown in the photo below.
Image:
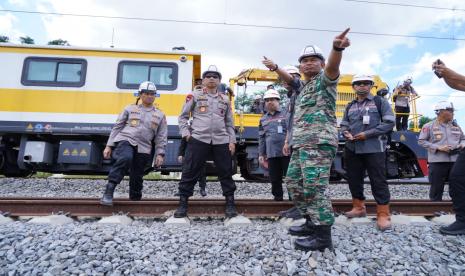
(360, 83)
(450, 109)
(211, 77)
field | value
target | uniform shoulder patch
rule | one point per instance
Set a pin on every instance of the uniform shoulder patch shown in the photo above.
(189, 96)
(425, 128)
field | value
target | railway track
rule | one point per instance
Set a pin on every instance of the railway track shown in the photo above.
(197, 207)
(390, 182)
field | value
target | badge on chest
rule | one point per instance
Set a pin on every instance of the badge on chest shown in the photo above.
(134, 122)
(280, 127)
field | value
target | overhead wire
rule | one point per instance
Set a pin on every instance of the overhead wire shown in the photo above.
(224, 23)
(404, 5)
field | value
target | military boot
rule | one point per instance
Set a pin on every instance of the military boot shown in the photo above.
(306, 229)
(321, 240)
(230, 207)
(358, 209)
(107, 198)
(456, 228)
(181, 212)
(292, 213)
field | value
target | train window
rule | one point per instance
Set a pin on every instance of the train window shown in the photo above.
(45, 71)
(132, 73)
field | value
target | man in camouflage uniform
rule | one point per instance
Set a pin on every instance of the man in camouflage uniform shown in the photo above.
(315, 141)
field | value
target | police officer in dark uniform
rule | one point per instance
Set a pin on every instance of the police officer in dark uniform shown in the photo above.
(272, 131)
(136, 128)
(211, 133)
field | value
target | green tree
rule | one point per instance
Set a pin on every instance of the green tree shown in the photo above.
(4, 38)
(26, 40)
(59, 42)
(423, 120)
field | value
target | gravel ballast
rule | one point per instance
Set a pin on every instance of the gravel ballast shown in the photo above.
(60, 187)
(208, 248)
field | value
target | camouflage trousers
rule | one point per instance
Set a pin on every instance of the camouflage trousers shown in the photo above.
(307, 179)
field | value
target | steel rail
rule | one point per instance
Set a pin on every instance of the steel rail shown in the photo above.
(197, 207)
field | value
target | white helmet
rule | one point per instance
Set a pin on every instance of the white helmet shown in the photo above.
(291, 69)
(271, 94)
(311, 51)
(357, 78)
(212, 69)
(147, 87)
(442, 105)
(257, 97)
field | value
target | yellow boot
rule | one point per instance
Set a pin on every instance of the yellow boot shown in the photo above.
(383, 217)
(358, 209)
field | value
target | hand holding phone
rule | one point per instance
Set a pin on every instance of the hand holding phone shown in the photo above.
(436, 63)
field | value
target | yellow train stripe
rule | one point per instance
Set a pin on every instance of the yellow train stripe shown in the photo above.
(84, 102)
(84, 53)
(56, 101)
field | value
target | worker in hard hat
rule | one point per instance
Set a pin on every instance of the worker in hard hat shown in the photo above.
(315, 140)
(402, 96)
(272, 131)
(457, 175)
(130, 141)
(366, 123)
(257, 105)
(211, 133)
(443, 139)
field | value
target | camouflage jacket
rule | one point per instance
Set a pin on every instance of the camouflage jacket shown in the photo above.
(314, 121)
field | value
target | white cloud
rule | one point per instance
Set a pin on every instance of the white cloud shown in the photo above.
(7, 22)
(18, 3)
(244, 45)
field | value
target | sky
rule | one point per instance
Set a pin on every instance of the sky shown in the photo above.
(408, 37)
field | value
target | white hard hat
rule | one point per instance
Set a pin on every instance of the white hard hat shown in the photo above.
(147, 87)
(442, 105)
(357, 78)
(291, 69)
(271, 94)
(212, 69)
(311, 51)
(408, 80)
(257, 97)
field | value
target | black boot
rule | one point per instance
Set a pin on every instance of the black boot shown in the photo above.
(293, 213)
(320, 241)
(285, 212)
(181, 212)
(306, 229)
(203, 192)
(456, 228)
(107, 198)
(230, 207)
